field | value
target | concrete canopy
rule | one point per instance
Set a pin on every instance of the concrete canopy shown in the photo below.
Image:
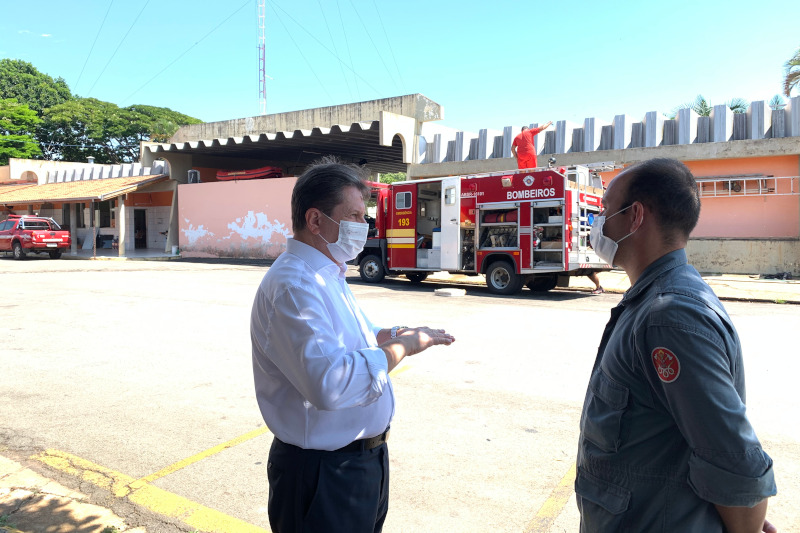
(293, 150)
(380, 134)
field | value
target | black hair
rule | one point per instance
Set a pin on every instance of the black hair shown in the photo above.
(668, 189)
(322, 186)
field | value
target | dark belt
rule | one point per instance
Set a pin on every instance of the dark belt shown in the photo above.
(362, 445)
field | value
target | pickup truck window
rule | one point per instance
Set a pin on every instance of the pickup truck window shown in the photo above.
(36, 224)
(6, 224)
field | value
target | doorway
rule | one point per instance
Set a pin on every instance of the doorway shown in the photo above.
(139, 228)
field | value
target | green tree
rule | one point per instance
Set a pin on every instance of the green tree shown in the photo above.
(74, 128)
(21, 80)
(84, 127)
(391, 177)
(158, 124)
(792, 77)
(17, 127)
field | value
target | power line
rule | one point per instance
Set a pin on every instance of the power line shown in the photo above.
(118, 46)
(94, 43)
(327, 49)
(347, 42)
(366, 30)
(63, 145)
(333, 41)
(187, 50)
(391, 50)
(303, 55)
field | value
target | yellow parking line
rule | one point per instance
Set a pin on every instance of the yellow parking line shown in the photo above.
(153, 498)
(198, 457)
(397, 371)
(553, 506)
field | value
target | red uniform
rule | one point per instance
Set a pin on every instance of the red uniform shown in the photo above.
(526, 150)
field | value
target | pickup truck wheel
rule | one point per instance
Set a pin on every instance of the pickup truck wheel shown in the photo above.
(417, 277)
(543, 283)
(55, 254)
(19, 253)
(501, 278)
(371, 269)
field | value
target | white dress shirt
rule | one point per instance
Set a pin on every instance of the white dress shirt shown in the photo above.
(321, 381)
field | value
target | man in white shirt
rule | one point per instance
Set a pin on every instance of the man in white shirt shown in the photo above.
(321, 368)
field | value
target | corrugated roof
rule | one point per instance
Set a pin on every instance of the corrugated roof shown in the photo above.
(76, 191)
(359, 140)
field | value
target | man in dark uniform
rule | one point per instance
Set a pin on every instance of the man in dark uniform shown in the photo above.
(665, 442)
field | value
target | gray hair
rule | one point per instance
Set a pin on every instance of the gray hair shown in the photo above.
(322, 186)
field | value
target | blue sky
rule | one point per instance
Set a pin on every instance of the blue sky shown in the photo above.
(490, 64)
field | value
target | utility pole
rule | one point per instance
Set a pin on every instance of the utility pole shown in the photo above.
(262, 58)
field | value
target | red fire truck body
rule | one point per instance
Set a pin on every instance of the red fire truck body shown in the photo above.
(519, 227)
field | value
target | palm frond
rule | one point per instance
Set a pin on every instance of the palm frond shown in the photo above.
(792, 77)
(737, 105)
(777, 103)
(701, 106)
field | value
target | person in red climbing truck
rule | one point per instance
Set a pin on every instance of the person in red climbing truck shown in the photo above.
(523, 148)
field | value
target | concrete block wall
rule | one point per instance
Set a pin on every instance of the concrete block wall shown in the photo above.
(87, 171)
(721, 124)
(626, 132)
(592, 134)
(653, 129)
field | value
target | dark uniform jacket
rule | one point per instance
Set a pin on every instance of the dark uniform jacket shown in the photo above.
(664, 433)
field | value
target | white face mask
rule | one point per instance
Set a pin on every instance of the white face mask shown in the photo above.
(352, 238)
(604, 246)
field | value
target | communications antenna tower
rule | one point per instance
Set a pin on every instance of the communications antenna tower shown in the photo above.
(262, 59)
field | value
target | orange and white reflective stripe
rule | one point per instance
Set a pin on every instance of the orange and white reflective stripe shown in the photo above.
(401, 238)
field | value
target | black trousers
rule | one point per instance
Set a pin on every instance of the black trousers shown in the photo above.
(314, 491)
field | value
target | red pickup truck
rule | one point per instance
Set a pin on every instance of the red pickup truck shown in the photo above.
(24, 234)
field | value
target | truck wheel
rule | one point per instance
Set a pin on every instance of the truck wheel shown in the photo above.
(417, 277)
(19, 253)
(501, 278)
(55, 254)
(543, 283)
(371, 269)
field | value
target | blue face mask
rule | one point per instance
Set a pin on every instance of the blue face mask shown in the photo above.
(604, 246)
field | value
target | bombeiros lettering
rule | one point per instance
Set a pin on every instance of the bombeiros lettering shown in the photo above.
(531, 193)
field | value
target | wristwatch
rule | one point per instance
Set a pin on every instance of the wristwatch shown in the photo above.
(394, 330)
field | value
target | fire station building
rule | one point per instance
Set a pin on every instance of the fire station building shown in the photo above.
(747, 166)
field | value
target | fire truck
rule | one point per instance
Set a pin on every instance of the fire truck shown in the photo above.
(519, 227)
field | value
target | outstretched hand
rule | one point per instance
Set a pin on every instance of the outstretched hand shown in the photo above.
(410, 341)
(420, 339)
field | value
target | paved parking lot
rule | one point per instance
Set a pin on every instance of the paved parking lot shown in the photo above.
(131, 381)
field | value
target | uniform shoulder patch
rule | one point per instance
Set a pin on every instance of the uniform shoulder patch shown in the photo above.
(667, 365)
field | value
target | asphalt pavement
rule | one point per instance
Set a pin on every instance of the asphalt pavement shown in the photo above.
(25, 494)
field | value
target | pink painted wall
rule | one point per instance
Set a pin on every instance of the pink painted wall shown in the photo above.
(753, 216)
(244, 218)
(765, 216)
(757, 216)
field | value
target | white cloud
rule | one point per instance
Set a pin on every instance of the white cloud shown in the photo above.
(23, 31)
(46, 35)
